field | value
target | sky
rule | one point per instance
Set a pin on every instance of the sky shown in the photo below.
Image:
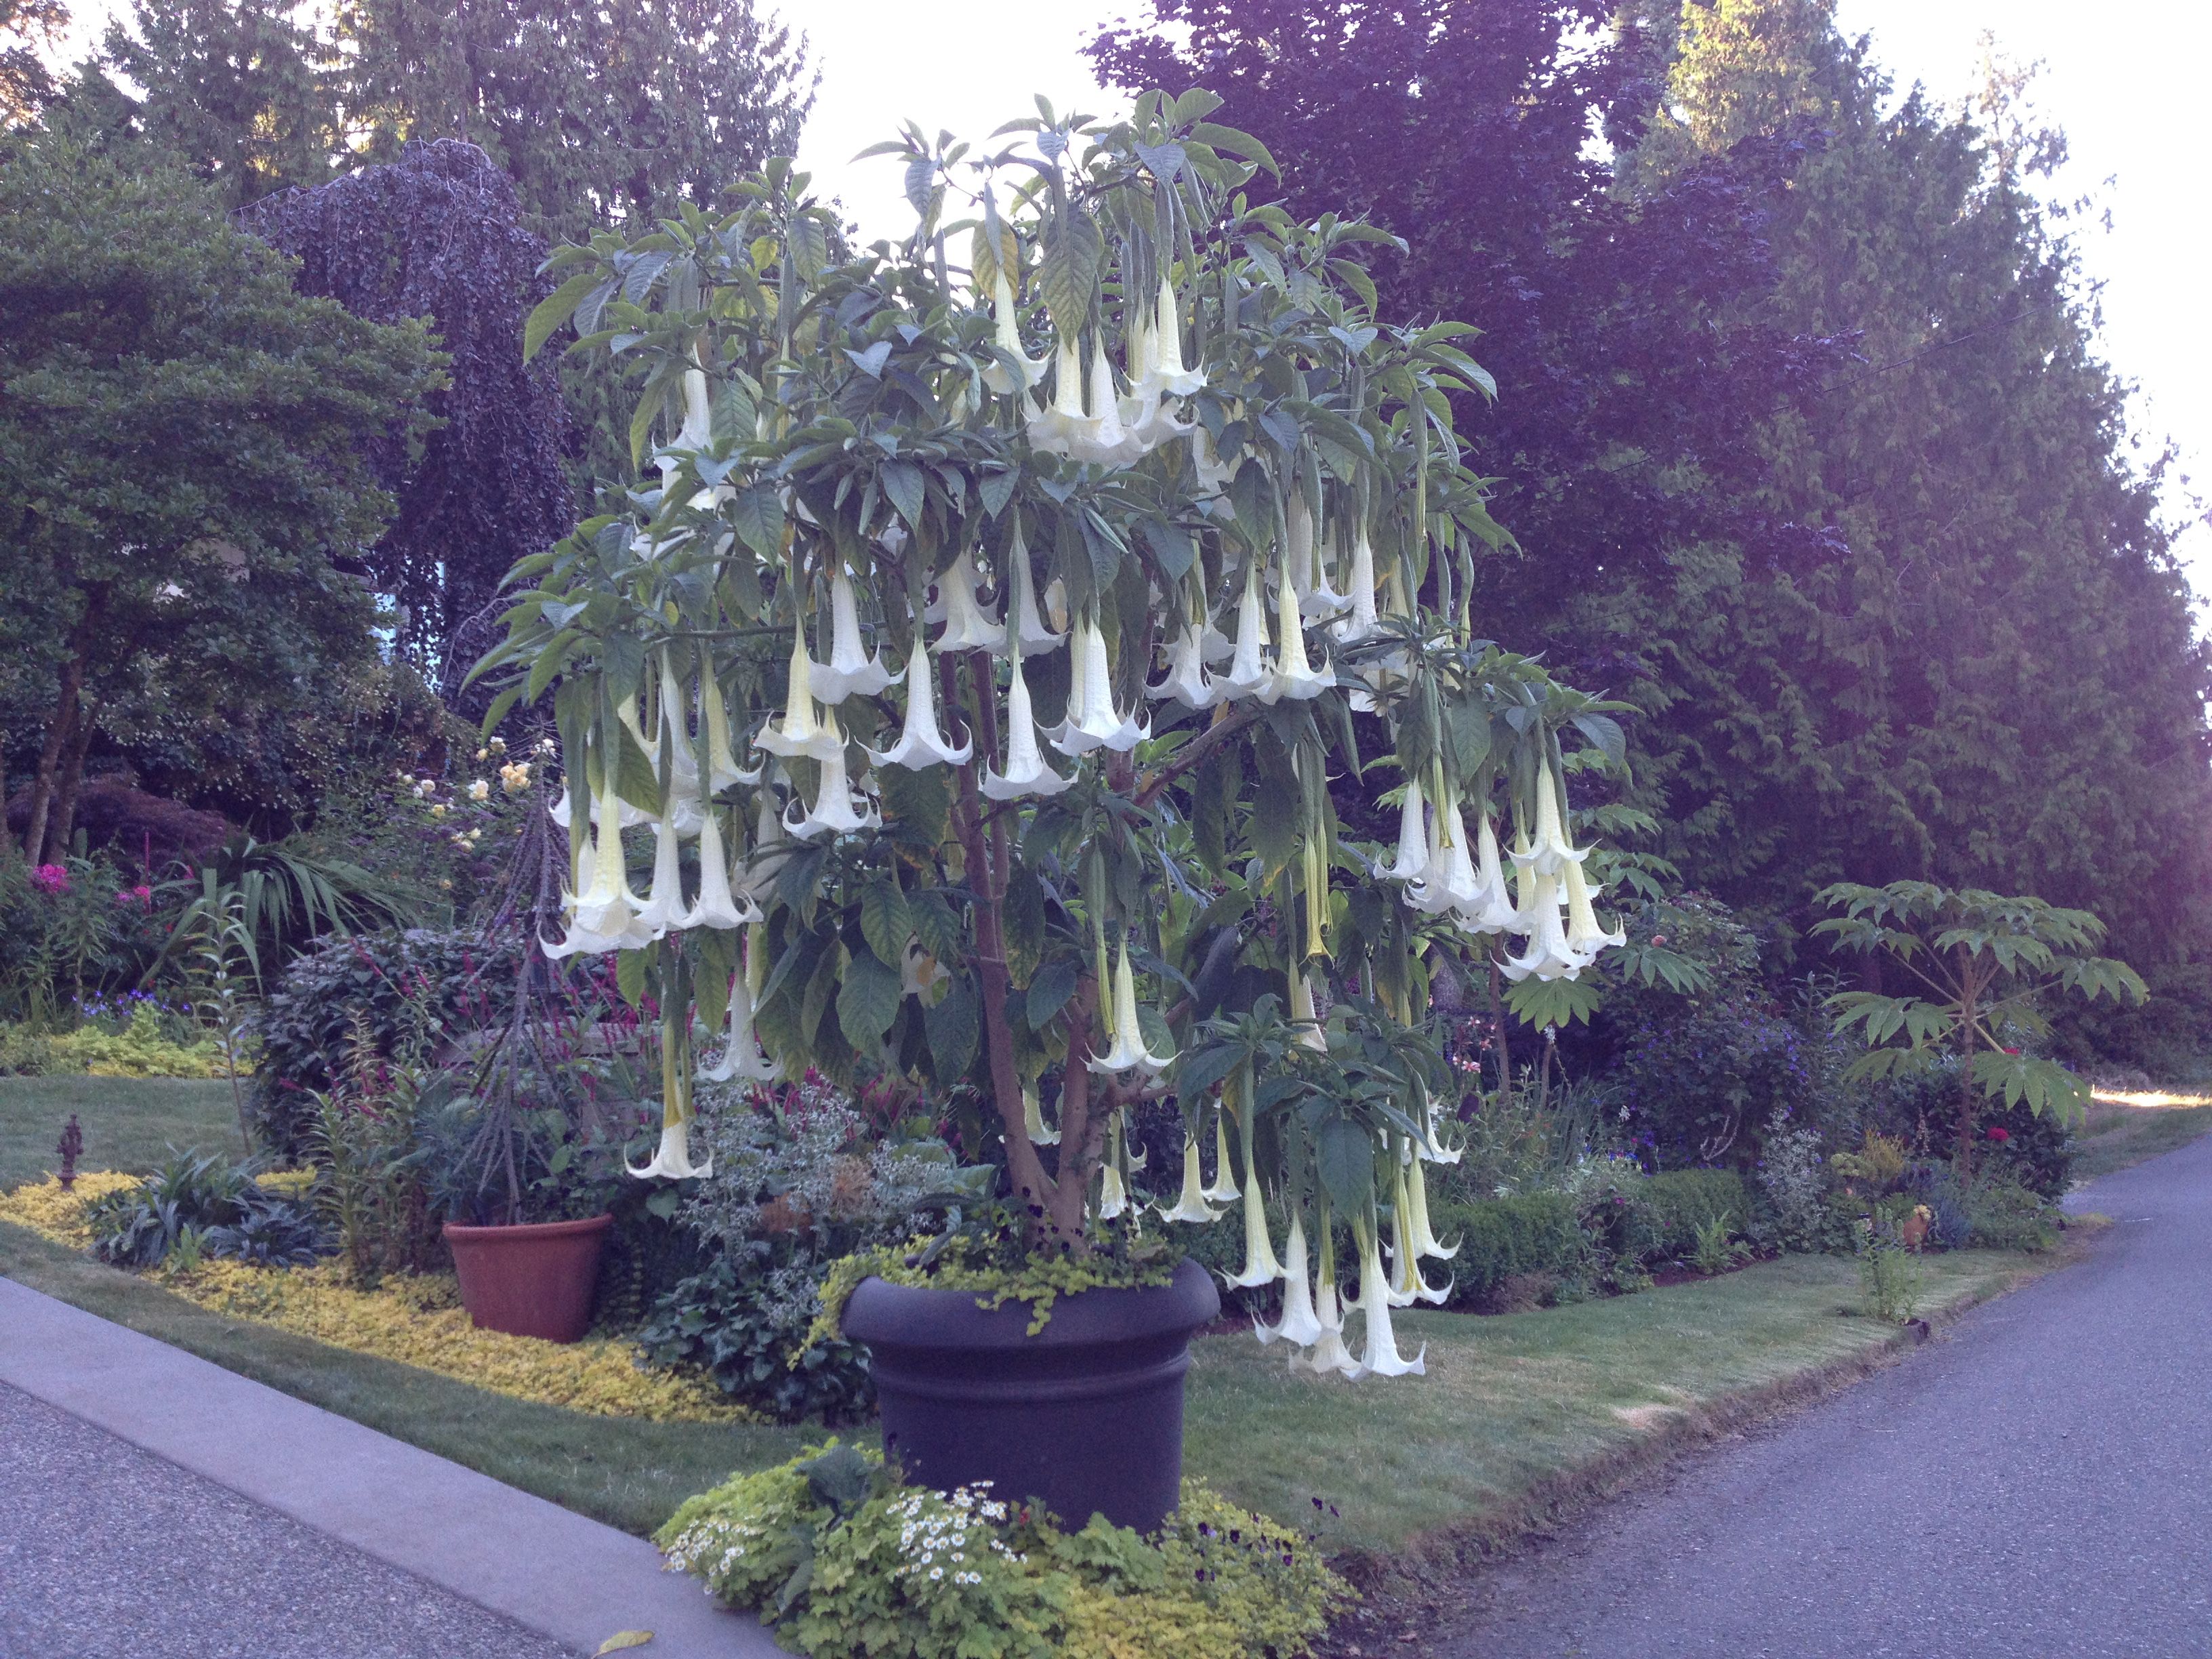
(2122, 87)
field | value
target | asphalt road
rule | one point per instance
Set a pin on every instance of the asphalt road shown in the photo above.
(2036, 1484)
(107, 1551)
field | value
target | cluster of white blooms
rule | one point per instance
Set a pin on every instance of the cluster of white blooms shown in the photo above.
(933, 1534)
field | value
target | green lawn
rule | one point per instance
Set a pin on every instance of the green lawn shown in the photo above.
(1516, 1414)
(129, 1122)
(2116, 1136)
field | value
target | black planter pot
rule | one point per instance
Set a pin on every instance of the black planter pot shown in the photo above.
(1085, 1416)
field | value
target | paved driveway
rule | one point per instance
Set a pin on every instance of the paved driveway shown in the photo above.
(2038, 1483)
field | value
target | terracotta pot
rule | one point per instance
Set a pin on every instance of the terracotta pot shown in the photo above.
(1084, 1417)
(535, 1279)
(1913, 1230)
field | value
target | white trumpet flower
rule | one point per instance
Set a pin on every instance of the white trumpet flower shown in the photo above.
(1187, 680)
(603, 915)
(1026, 773)
(1418, 1233)
(1225, 1189)
(920, 744)
(717, 906)
(1295, 679)
(1250, 674)
(664, 906)
(1381, 1357)
(1093, 721)
(723, 771)
(1008, 336)
(1167, 375)
(1413, 836)
(1320, 601)
(1329, 1353)
(1552, 853)
(1299, 1324)
(1448, 883)
(1548, 957)
(1361, 623)
(671, 1159)
(802, 732)
(1025, 628)
(1585, 937)
(1191, 1204)
(1112, 1196)
(1033, 1118)
(850, 671)
(1063, 421)
(761, 864)
(968, 625)
(1406, 1285)
(834, 811)
(1125, 1050)
(742, 1056)
(1492, 909)
(1213, 474)
(1260, 1267)
(1303, 1015)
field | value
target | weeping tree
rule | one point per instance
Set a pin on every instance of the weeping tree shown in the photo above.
(438, 233)
(979, 666)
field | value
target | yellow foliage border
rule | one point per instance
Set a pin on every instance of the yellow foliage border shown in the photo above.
(413, 1320)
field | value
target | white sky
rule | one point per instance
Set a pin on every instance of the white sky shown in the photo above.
(2121, 79)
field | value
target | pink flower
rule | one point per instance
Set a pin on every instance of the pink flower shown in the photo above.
(1999, 1133)
(52, 877)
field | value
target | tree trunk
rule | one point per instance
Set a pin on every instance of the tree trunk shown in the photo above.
(1497, 1034)
(64, 822)
(1967, 1017)
(61, 731)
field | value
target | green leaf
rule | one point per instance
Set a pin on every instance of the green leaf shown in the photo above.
(756, 515)
(629, 974)
(1049, 990)
(903, 484)
(1069, 272)
(885, 922)
(1548, 1003)
(1344, 1158)
(954, 1027)
(867, 1002)
(1172, 546)
(555, 309)
(624, 1638)
(936, 924)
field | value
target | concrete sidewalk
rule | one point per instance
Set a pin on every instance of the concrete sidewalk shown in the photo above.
(565, 1578)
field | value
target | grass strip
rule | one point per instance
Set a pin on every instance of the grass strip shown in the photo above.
(626, 1472)
(129, 1122)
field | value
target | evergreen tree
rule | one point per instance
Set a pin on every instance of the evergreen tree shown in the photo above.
(598, 112)
(27, 27)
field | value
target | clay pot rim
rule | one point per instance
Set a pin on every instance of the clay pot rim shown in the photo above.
(466, 1233)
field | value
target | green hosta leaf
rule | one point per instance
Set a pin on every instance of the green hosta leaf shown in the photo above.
(885, 922)
(867, 1002)
(953, 1027)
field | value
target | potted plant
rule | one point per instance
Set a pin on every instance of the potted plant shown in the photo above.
(1055, 682)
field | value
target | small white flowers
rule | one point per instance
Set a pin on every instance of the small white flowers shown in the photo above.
(480, 790)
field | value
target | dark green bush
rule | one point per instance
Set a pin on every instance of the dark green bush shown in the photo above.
(366, 988)
(1501, 1238)
(2003, 1215)
(1669, 1208)
(742, 1319)
(138, 1226)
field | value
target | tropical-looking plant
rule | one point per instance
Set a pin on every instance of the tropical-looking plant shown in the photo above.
(1221, 516)
(1985, 960)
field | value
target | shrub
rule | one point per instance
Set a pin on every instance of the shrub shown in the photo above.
(843, 1561)
(368, 992)
(744, 1320)
(199, 1201)
(139, 1050)
(1673, 1207)
(2004, 1215)
(1503, 1238)
(1793, 1174)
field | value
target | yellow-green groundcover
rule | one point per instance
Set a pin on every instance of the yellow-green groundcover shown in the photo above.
(416, 1319)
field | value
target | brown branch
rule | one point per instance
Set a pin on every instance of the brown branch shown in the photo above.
(1192, 752)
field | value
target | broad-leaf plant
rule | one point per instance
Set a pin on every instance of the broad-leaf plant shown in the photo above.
(985, 653)
(1982, 962)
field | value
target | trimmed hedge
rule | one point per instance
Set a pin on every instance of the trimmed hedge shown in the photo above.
(1499, 1237)
(1671, 1208)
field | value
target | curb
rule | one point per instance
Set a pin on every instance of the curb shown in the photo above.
(548, 1570)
